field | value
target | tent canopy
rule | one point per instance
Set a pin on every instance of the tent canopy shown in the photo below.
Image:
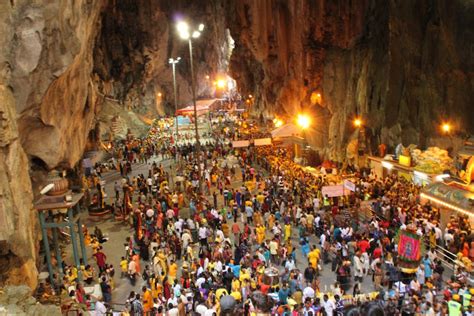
(202, 107)
(286, 130)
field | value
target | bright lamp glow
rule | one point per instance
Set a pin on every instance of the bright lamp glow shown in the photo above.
(184, 35)
(182, 27)
(220, 83)
(174, 61)
(446, 127)
(357, 122)
(196, 34)
(201, 27)
(303, 120)
(277, 122)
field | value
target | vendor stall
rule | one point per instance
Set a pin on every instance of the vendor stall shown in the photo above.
(449, 198)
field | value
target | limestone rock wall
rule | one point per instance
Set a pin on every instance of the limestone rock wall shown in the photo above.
(47, 107)
(136, 41)
(18, 221)
(404, 66)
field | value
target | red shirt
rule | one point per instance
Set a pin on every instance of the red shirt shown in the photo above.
(377, 253)
(235, 228)
(363, 245)
(264, 288)
(100, 258)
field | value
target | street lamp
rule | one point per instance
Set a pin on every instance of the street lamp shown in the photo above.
(303, 121)
(173, 63)
(185, 34)
(446, 127)
(357, 122)
(277, 122)
(220, 83)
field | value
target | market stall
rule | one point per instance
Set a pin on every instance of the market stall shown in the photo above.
(449, 198)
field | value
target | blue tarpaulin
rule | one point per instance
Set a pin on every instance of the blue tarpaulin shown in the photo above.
(183, 120)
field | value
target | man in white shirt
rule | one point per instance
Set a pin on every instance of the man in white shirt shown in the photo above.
(415, 285)
(186, 239)
(203, 235)
(358, 267)
(308, 292)
(178, 225)
(210, 312)
(201, 309)
(439, 233)
(448, 237)
(172, 310)
(400, 287)
(173, 300)
(100, 309)
(316, 203)
(328, 305)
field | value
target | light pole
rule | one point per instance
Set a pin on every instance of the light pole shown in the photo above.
(304, 122)
(185, 34)
(173, 63)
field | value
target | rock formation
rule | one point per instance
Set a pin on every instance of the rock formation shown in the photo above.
(48, 106)
(16, 300)
(136, 40)
(403, 66)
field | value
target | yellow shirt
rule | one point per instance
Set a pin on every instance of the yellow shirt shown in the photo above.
(236, 295)
(244, 275)
(220, 292)
(211, 266)
(173, 270)
(124, 265)
(313, 257)
(236, 285)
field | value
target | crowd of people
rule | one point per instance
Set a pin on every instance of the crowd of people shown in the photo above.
(248, 232)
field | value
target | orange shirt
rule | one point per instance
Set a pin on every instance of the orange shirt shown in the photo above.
(235, 228)
(147, 301)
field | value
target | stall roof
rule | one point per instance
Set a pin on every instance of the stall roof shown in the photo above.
(287, 130)
(450, 196)
(202, 107)
(57, 202)
(468, 148)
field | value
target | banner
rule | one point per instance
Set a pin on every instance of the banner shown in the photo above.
(349, 185)
(262, 141)
(332, 190)
(409, 246)
(240, 143)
